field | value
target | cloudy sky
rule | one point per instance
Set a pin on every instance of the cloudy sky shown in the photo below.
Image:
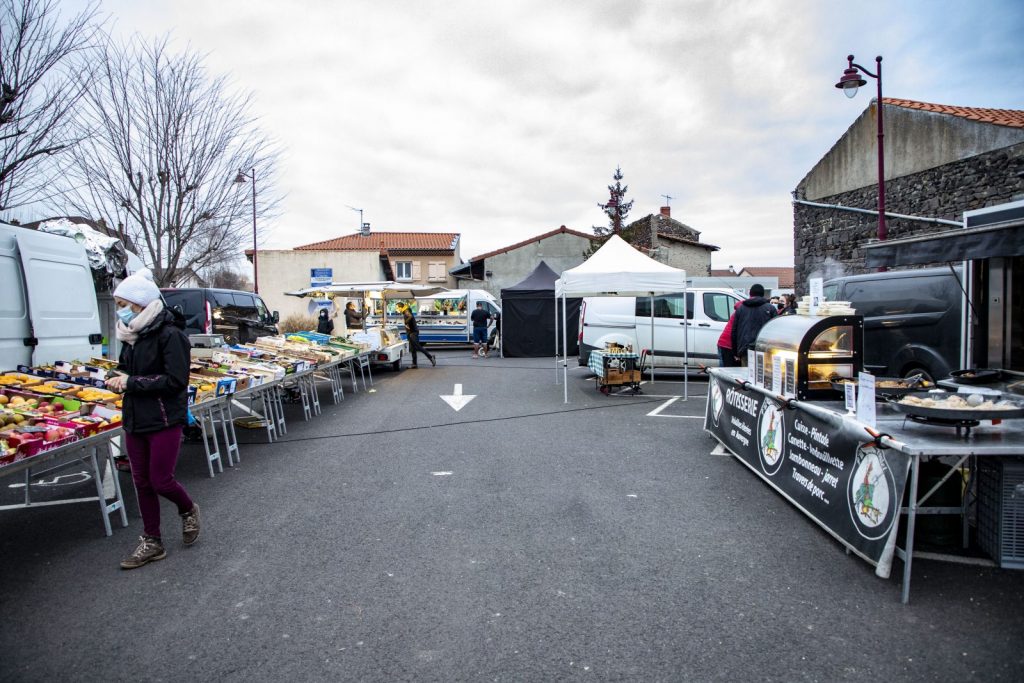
(503, 120)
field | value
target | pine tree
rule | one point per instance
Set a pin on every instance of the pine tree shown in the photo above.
(616, 209)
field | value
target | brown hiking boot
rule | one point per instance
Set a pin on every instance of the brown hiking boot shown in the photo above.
(150, 550)
(190, 525)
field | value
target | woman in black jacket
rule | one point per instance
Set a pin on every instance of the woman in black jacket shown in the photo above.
(324, 324)
(153, 375)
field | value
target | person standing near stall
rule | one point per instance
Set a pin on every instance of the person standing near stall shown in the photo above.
(412, 333)
(479, 318)
(324, 324)
(726, 358)
(749, 318)
(353, 318)
(153, 376)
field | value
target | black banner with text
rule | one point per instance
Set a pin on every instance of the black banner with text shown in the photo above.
(816, 458)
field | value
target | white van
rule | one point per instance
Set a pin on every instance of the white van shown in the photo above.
(49, 312)
(626, 320)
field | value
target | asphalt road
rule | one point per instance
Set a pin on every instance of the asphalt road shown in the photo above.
(519, 539)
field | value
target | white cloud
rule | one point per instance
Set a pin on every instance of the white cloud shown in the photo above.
(505, 120)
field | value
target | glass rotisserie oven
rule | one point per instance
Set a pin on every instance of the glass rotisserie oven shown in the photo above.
(814, 351)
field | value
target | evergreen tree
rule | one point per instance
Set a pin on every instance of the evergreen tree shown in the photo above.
(617, 208)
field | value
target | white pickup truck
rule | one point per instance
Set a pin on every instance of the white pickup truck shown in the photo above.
(687, 328)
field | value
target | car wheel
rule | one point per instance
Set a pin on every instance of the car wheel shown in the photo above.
(397, 365)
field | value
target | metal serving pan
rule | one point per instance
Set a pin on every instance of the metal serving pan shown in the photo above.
(962, 414)
(880, 392)
(975, 376)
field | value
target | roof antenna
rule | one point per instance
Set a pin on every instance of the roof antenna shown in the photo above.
(668, 200)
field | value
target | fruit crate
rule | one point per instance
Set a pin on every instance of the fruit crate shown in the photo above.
(1001, 510)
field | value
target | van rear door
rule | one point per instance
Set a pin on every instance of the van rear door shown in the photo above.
(61, 297)
(14, 327)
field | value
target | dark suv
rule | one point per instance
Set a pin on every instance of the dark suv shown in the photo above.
(912, 319)
(240, 316)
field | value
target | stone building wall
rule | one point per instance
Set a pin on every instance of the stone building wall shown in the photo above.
(828, 242)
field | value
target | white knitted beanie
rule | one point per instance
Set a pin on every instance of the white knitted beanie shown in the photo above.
(138, 290)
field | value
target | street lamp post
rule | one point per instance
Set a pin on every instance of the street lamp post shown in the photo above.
(241, 178)
(849, 84)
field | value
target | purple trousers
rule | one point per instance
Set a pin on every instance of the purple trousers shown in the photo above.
(153, 456)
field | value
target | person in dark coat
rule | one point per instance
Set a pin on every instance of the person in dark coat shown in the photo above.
(153, 376)
(789, 308)
(324, 324)
(353, 318)
(412, 333)
(749, 318)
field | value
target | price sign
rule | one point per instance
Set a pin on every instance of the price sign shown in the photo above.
(815, 285)
(777, 375)
(866, 398)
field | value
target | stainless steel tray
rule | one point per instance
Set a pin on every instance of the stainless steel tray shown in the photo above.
(962, 414)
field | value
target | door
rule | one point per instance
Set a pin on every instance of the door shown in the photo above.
(61, 298)
(708, 319)
(669, 328)
(14, 327)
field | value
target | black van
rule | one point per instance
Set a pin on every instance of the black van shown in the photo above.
(240, 316)
(912, 319)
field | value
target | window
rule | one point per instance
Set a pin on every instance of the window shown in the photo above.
(718, 306)
(403, 270)
(670, 306)
(436, 271)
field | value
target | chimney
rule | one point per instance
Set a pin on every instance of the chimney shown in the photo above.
(666, 211)
(364, 230)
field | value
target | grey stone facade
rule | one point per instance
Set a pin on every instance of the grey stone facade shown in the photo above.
(828, 242)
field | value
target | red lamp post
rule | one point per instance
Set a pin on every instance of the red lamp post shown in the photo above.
(849, 84)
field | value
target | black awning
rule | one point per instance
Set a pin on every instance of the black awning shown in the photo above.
(954, 245)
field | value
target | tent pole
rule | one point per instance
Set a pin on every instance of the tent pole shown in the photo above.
(565, 353)
(556, 339)
(686, 348)
(652, 337)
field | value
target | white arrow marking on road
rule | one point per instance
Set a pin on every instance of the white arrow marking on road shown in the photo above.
(457, 400)
(442, 474)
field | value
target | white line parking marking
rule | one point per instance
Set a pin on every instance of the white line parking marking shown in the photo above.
(662, 407)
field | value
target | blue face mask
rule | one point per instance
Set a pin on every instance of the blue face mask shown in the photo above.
(126, 314)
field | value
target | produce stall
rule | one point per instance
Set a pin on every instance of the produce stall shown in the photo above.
(382, 333)
(55, 420)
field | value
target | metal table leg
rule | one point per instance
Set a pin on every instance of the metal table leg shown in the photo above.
(209, 429)
(908, 559)
(227, 426)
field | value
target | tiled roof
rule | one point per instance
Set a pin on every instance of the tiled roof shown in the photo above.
(785, 275)
(538, 238)
(682, 240)
(391, 241)
(1013, 118)
(725, 272)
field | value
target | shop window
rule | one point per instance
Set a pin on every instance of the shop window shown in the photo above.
(403, 270)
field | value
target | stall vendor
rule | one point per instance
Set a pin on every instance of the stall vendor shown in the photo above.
(353, 318)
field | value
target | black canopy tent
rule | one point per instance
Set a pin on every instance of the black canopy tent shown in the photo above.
(529, 326)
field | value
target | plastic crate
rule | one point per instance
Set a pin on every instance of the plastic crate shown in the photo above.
(1001, 510)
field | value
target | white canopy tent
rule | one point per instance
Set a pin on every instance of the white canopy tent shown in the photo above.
(617, 269)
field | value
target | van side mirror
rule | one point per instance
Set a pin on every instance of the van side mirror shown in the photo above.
(275, 317)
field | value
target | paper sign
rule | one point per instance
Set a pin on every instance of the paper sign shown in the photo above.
(866, 398)
(751, 365)
(777, 375)
(815, 285)
(791, 377)
(850, 395)
(759, 368)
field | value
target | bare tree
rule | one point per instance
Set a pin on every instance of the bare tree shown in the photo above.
(168, 142)
(44, 71)
(226, 278)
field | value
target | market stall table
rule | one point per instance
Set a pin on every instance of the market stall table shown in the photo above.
(271, 409)
(209, 414)
(85, 451)
(845, 476)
